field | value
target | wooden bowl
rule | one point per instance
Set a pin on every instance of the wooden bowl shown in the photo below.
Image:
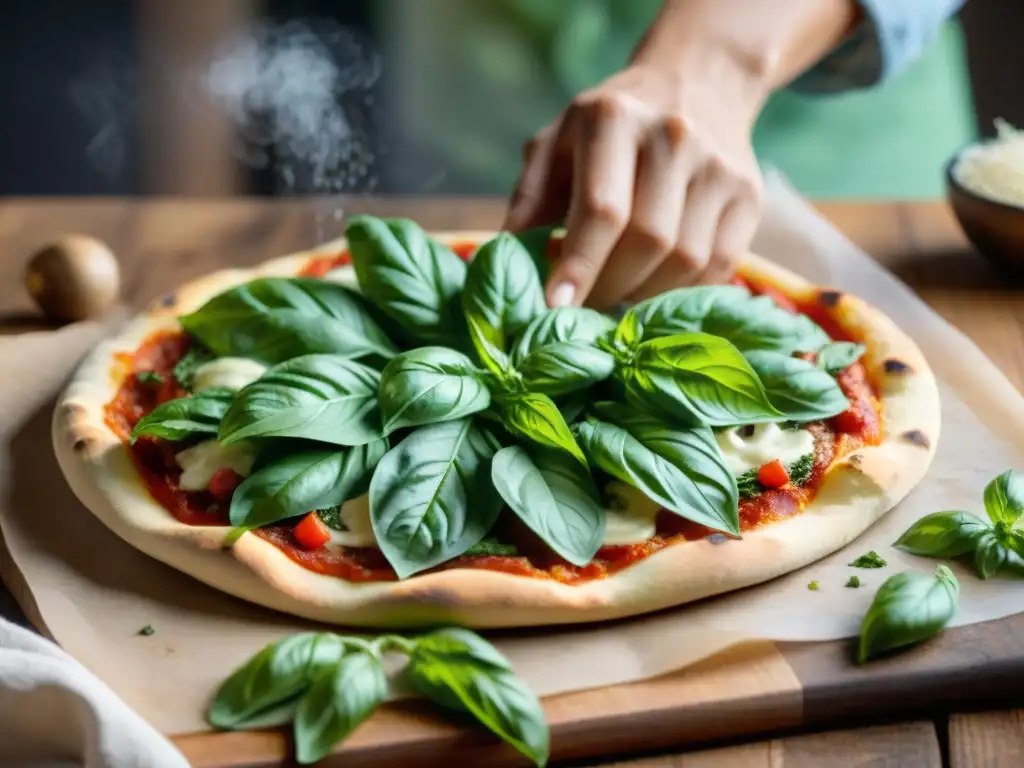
(995, 228)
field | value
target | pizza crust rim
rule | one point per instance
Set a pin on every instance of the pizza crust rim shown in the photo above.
(856, 492)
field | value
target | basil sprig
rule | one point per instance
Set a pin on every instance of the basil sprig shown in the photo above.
(186, 417)
(908, 608)
(994, 544)
(327, 684)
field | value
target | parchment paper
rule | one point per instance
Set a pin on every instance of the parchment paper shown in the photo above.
(94, 592)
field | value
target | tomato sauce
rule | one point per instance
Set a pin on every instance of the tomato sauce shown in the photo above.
(155, 462)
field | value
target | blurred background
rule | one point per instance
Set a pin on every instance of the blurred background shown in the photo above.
(286, 97)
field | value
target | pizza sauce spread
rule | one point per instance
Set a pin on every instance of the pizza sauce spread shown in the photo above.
(150, 382)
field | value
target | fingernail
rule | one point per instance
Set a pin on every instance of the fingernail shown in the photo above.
(563, 295)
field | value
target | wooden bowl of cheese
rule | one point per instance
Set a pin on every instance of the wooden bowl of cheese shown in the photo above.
(985, 187)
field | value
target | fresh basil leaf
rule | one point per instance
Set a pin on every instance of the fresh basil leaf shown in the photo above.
(797, 388)
(318, 397)
(683, 310)
(266, 686)
(1004, 497)
(682, 470)
(572, 406)
(564, 367)
(185, 417)
(1015, 541)
(428, 385)
(943, 534)
(536, 241)
(413, 279)
(629, 331)
(578, 324)
(431, 497)
(305, 481)
(273, 319)
(838, 355)
(909, 607)
(502, 292)
(494, 359)
(697, 377)
(339, 700)
(555, 496)
(989, 554)
(471, 676)
(536, 417)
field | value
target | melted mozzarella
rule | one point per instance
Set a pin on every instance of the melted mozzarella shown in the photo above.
(201, 462)
(355, 516)
(634, 521)
(228, 372)
(767, 443)
(343, 276)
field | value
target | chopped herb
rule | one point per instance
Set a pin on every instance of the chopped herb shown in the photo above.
(799, 473)
(146, 631)
(332, 517)
(813, 586)
(870, 560)
(185, 369)
(748, 484)
(149, 377)
(800, 470)
(491, 546)
(854, 582)
(791, 425)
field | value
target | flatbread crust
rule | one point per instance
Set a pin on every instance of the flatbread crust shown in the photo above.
(854, 494)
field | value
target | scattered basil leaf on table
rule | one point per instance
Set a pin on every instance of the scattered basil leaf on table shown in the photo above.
(797, 388)
(457, 669)
(185, 417)
(1004, 497)
(318, 397)
(838, 355)
(871, 560)
(341, 698)
(410, 277)
(989, 554)
(535, 417)
(908, 608)
(681, 469)
(943, 534)
(269, 683)
(696, 377)
(428, 385)
(431, 497)
(304, 481)
(564, 367)
(273, 319)
(563, 324)
(555, 496)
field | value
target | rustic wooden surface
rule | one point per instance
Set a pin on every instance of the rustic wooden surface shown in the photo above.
(162, 243)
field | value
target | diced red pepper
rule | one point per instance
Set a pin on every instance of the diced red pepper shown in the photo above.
(312, 532)
(773, 474)
(223, 483)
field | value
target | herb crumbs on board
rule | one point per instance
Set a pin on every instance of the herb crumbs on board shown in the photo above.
(854, 582)
(146, 631)
(813, 586)
(871, 560)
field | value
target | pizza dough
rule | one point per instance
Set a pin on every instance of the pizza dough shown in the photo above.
(857, 490)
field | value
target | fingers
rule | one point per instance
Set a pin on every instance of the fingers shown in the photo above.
(735, 231)
(539, 191)
(604, 167)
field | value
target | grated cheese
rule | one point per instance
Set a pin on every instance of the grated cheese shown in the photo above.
(995, 169)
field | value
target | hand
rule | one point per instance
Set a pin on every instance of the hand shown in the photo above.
(659, 177)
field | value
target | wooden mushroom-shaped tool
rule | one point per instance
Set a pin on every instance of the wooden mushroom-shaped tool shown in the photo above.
(75, 278)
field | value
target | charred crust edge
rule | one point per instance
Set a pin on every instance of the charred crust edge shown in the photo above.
(916, 437)
(829, 298)
(895, 365)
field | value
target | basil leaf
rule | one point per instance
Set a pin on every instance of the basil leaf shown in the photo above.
(943, 534)
(578, 324)
(431, 497)
(694, 376)
(797, 388)
(629, 331)
(460, 674)
(428, 385)
(302, 482)
(1004, 497)
(185, 369)
(493, 358)
(185, 417)
(338, 701)
(555, 496)
(1015, 540)
(273, 319)
(572, 406)
(909, 607)
(683, 310)
(502, 292)
(411, 278)
(536, 241)
(564, 367)
(268, 683)
(989, 554)
(834, 357)
(318, 397)
(682, 470)
(536, 417)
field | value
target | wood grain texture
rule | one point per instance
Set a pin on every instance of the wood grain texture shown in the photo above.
(987, 739)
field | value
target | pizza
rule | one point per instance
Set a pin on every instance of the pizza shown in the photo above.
(393, 430)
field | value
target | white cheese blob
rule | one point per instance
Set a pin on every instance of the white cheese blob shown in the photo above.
(201, 462)
(355, 516)
(995, 168)
(634, 519)
(229, 372)
(766, 443)
(343, 276)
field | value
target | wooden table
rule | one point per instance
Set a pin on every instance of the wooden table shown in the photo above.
(164, 242)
